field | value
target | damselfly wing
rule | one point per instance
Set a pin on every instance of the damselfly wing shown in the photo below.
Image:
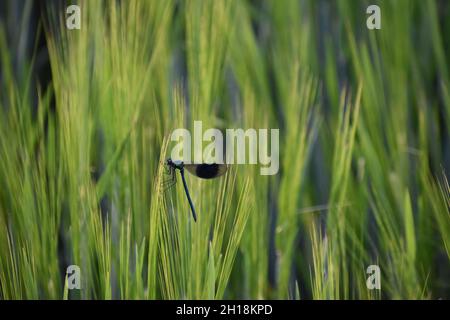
(206, 170)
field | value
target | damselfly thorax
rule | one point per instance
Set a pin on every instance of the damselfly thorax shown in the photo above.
(201, 170)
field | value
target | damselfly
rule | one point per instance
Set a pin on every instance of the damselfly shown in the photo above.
(201, 170)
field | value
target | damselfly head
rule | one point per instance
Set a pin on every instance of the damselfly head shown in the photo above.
(176, 164)
(168, 162)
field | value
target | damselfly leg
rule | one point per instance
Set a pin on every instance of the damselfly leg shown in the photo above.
(170, 178)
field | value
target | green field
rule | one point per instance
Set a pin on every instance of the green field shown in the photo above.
(364, 119)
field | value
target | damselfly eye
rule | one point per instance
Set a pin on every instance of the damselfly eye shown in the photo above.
(205, 170)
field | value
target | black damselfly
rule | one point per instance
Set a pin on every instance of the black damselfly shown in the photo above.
(201, 170)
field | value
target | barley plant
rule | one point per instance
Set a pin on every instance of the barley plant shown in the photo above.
(364, 120)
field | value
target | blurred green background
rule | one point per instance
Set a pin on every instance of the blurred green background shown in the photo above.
(364, 118)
